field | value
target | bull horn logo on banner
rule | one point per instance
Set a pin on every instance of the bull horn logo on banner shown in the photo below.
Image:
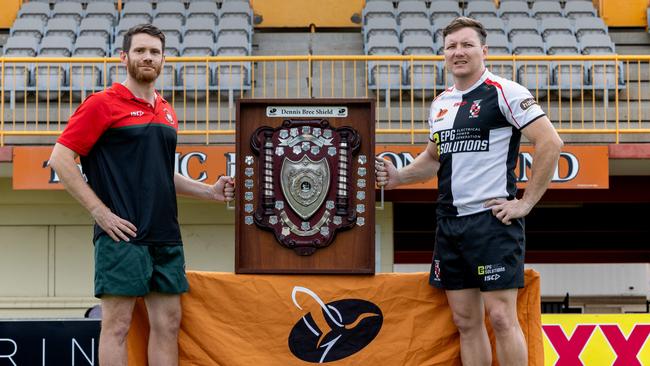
(341, 329)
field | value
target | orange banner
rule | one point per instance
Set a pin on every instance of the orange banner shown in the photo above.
(273, 320)
(579, 166)
(200, 162)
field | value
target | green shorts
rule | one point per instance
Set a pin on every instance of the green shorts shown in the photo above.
(126, 269)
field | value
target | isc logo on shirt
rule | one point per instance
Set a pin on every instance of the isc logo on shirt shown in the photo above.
(137, 114)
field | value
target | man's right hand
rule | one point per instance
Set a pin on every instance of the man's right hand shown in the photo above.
(116, 227)
(387, 174)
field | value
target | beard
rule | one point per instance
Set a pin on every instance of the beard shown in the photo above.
(143, 76)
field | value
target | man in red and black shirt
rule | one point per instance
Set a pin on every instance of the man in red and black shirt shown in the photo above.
(126, 137)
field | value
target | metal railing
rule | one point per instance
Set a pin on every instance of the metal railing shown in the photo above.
(599, 94)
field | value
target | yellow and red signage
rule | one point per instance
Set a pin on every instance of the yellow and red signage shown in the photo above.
(595, 340)
(579, 166)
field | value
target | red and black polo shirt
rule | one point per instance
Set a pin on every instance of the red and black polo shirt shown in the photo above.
(127, 150)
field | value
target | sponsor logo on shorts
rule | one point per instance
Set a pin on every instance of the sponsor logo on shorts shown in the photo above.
(527, 103)
(436, 270)
(490, 272)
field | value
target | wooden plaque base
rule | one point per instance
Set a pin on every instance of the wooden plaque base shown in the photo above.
(260, 242)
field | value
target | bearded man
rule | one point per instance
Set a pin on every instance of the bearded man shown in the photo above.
(126, 137)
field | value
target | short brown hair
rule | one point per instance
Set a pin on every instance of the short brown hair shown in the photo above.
(465, 22)
(142, 28)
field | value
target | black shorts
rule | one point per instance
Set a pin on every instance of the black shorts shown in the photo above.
(478, 251)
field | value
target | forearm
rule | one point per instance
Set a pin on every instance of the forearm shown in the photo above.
(191, 188)
(422, 169)
(74, 183)
(545, 160)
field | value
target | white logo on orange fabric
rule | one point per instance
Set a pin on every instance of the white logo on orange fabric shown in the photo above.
(137, 114)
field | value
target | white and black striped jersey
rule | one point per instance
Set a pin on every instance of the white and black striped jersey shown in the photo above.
(477, 132)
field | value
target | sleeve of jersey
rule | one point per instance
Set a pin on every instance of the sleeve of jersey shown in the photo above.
(430, 121)
(86, 125)
(519, 106)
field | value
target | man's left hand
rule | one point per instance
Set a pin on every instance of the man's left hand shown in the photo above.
(505, 210)
(224, 189)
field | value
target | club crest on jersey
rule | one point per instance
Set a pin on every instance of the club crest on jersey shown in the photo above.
(168, 116)
(475, 109)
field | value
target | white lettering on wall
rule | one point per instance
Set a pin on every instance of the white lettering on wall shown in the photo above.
(9, 356)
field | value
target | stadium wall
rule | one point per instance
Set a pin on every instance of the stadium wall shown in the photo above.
(48, 269)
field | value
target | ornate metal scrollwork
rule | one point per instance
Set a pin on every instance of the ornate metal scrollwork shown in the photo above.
(306, 186)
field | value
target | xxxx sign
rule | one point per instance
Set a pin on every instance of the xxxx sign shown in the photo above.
(596, 340)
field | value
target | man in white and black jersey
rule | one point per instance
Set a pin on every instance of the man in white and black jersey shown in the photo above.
(475, 128)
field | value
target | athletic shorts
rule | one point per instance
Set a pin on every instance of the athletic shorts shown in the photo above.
(126, 269)
(478, 251)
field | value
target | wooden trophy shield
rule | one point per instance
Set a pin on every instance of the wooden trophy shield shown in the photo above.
(305, 187)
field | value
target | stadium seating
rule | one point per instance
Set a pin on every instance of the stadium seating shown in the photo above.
(578, 9)
(378, 9)
(200, 25)
(567, 75)
(170, 9)
(95, 28)
(409, 10)
(444, 8)
(35, 10)
(63, 26)
(34, 27)
(68, 9)
(493, 24)
(380, 25)
(137, 9)
(51, 78)
(415, 26)
(172, 27)
(516, 26)
(101, 9)
(232, 76)
(499, 45)
(17, 77)
(88, 76)
(234, 24)
(513, 9)
(556, 25)
(384, 75)
(203, 9)
(522, 25)
(543, 9)
(438, 25)
(481, 9)
(534, 75)
(588, 25)
(400, 27)
(422, 75)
